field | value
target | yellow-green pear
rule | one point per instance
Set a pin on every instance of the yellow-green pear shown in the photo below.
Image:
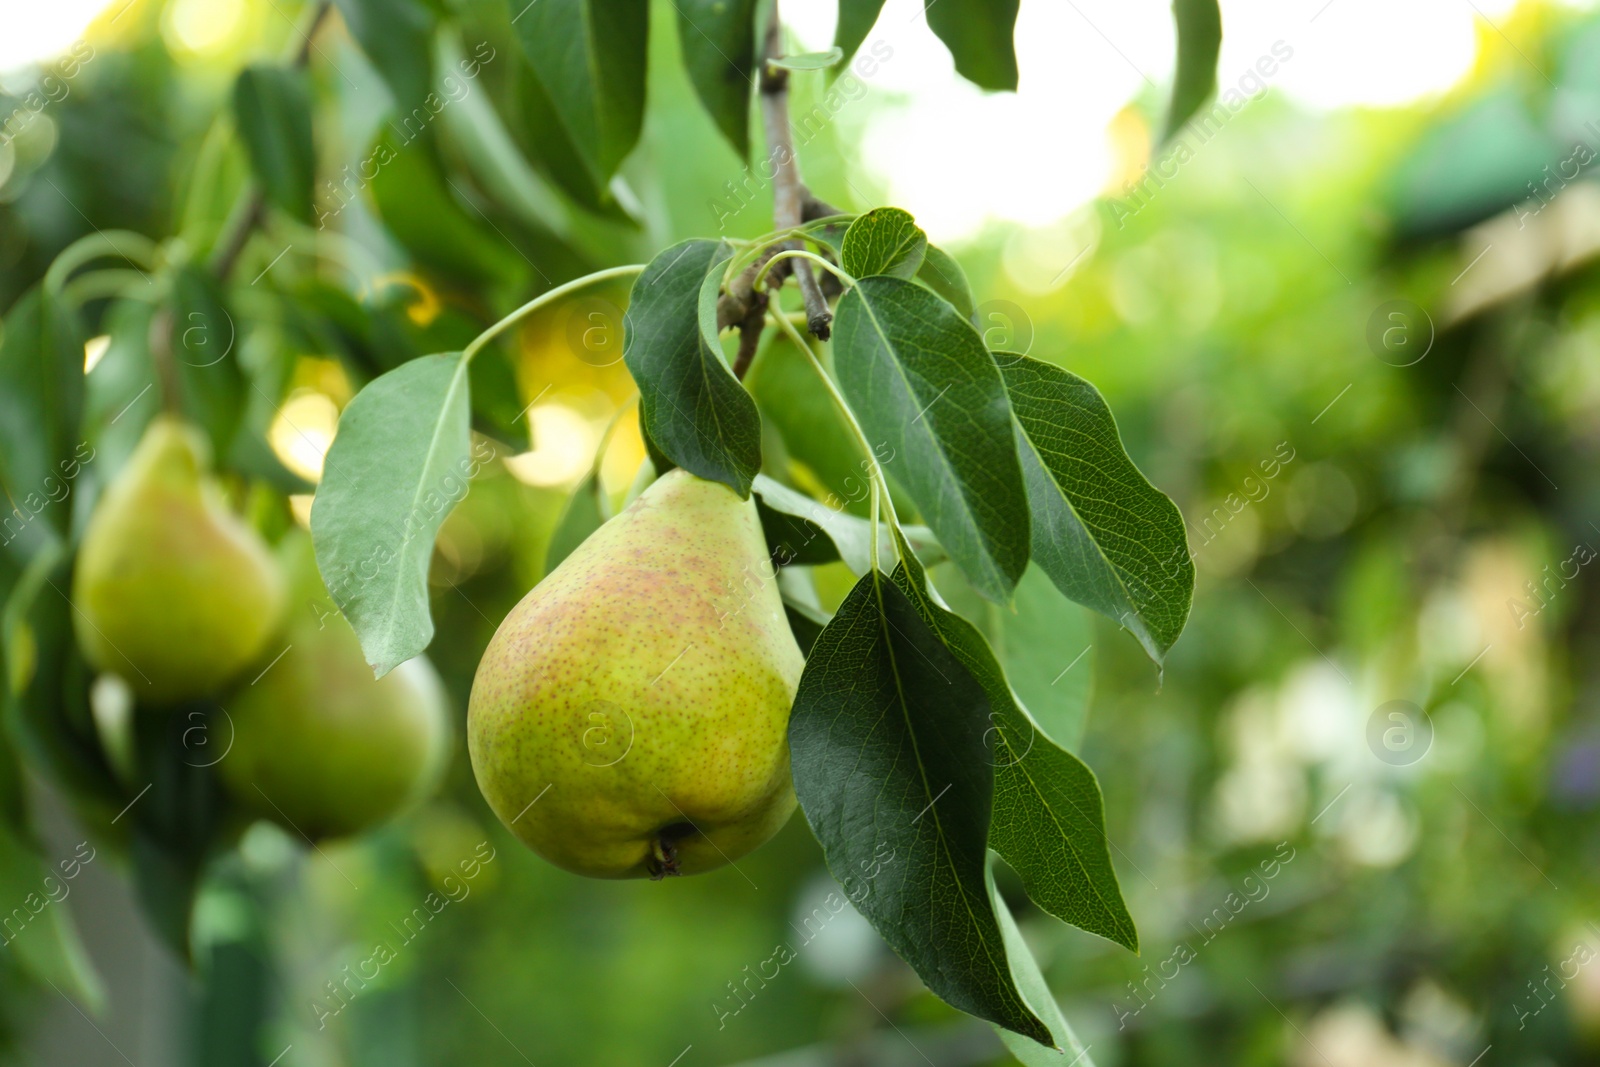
(630, 716)
(173, 592)
(318, 745)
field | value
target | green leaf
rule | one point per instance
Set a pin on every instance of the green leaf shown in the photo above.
(932, 402)
(812, 532)
(1108, 538)
(1030, 981)
(978, 34)
(694, 409)
(584, 514)
(530, 116)
(1199, 45)
(856, 19)
(41, 405)
(886, 240)
(415, 200)
(590, 57)
(399, 464)
(718, 38)
(272, 106)
(1049, 819)
(809, 60)
(204, 352)
(38, 930)
(941, 273)
(892, 768)
(1045, 645)
(397, 36)
(792, 398)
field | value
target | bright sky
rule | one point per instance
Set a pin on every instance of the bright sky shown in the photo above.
(1036, 156)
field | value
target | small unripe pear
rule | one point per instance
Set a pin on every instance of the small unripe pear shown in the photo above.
(319, 746)
(630, 716)
(173, 592)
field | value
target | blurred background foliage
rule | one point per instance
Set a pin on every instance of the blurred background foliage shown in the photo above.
(1367, 509)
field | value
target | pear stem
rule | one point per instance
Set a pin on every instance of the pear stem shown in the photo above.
(541, 300)
(800, 253)
(880, 485)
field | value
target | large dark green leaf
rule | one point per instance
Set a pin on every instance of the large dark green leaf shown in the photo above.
(924, 388)
(205, 343)
(694, 409)
(856, 19)
(1049, 820)
(718, 38)
(1108, 538)
(41, 404)
(590, 57)
(886, 240)
(396, 36)
(893, 769)
(272, 106)
(1199, 44)
(978, 34)
(397, 467)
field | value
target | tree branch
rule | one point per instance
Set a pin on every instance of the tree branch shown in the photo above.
(788, 192)
(253, 209)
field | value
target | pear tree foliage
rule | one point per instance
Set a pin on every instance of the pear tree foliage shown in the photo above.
(992, 497)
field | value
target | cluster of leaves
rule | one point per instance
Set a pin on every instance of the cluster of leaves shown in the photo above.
(905, 733)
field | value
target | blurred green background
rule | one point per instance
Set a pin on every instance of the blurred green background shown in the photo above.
(1357, 341)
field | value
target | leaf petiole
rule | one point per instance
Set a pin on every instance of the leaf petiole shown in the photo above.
(800, 253)
(477, 343)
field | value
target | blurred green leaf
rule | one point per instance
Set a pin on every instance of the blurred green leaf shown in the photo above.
(978, 34)
(791, 397)
(590, 57)
(892, 768)
(718, 38)
(856, 19)
(1045, 646)
(697, 413)
(584, 513)
(926, 392)
(204, 347)
(886, 240)
(41, 404)
(398, 465)
(37, 926)
(1107, 537)
(1199, 44)
(272, 106)
(809, 60)
(397, 36)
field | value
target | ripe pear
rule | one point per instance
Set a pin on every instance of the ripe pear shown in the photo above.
(173, 592)
(318, 745)
(630, 716)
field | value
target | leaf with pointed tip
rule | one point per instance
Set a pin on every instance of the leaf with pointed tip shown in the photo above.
(941, 273)
(1199, 45)
(399, 464)
(921, 383)
(590, 57)
(718, 38)
(886, 240)
(272, 106)
(1108, 538)
(694, 409)
(978, 34)
(1030, 981)
(856, 19)
(1049, 819)
(892, 768)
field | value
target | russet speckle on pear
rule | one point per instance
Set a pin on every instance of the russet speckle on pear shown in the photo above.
(173, 592)
(317, 744)
(630, 716)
